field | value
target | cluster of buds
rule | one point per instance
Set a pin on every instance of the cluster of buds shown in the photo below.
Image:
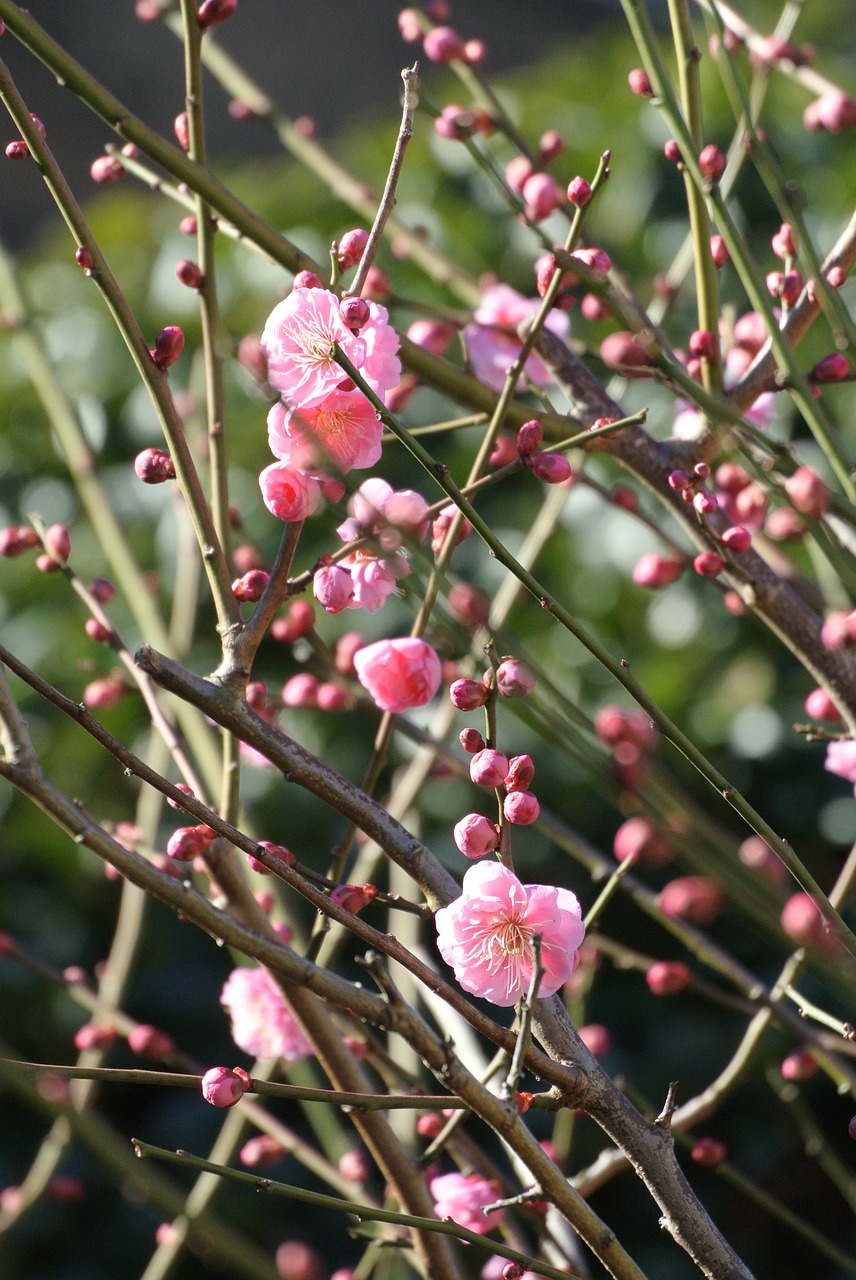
(440, 43)
(306, 690)
(552, 468)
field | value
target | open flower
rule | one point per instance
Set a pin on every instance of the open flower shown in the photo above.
(263, 1024)
(486, 934)
(342, 429)
(298, 341)
(399, 674)
(462, 1197)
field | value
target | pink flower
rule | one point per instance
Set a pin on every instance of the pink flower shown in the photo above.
(462, 1197)
(262, 1022)
(492, 340)
(289, 493)
(343, 429)
(298, 341)
(381, 367)
(399, 674)
(486, 934)
(841, 759)
(372, 579)
(224, 1086)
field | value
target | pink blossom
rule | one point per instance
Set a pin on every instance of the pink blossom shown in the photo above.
(492, 341)
(224, 1086)
(263, 1024)
(381, 367)
(373, 579)
(486, 934)
(399, 674)
(462, 1197)
(475, 835)
(841, 759)
(342, 429)
(289, 493)
(298, 341)
(332, 587)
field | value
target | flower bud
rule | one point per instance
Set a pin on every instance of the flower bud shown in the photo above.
(708, 1152)
(833, 111)
(596, 1038)
(351, 247)
(149, 1042)
(529, 438)
(705, 502)
(354, 1165)
(703, 344)
(468, 695)
(521, 772)
(708, 564)
(332, 697)
(638, 840)
(552, 468)
(803, 922)
(181, 128)
(476, 835)
(579, 192)
(624, 352)
(820, 706)
(17, 150)
(261, 1151)
(443, 44)
(333, 587)
(307, 280)
(640, 83)
(668, 977)
(541, 194)
(93, 1035)
(429, 1125)
(355, 312)
(488, 768)
(836, 277)
(521, 808)
(593, 308)
(101, 694)
(832, 368)
(97, 631)
(784, 242)
(223, 1087)
(468, 605)
(712, 163)
(655, 571)
(211, 12)
(807, 492)
(718, 251)
(696, 899)
(517, 171)
(409, 25)
(471, 741)
(187, 843)
(15, 540)
(550, 145)
(672, 151)
(153, 466)
(168, 346)
(251, 587)
(57, 543)
(514, 679)
(188, 273)
(441, 525)
(736, 539)
(799, 1065)
(301, 691)
(353, 897)
(105, 169)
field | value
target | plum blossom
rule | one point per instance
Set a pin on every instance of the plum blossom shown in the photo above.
(342, 429)
(841, 759)
(462, 1197)
(263, 1024)
(492, 340)
(288, 492)
(486, 934)
(298, 340)
(399, 674)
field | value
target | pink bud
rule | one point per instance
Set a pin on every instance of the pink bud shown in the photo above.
(624, 352)
(708, 1152)
(514, 679)
(429, 1125)
(799, 1065)
(704, 344)
(355, 312)
(16, 540)
(443, 44)
(186, 843)
(307, 280)
(277, 851)
(17, 150)
(529, 438)
(638, 839)
(153, 466)
(804, 924)
(705, 502)
(106, 169)
(468, 605)
(596, 1038)
(476, 835)
(552, 468)
(541, 193)
(441, 525)
(188, 273)
(784, 242)
(261, 1151)
(149, 1042)
(353, 897)
(595, 260)
(251, 586)
(820, 706)
(679, 480)
(488, 768)
(468, 695)
(579, 192)
(471, 741)
(550, 145)
(708, 564)
(475, 52)
(181, 129)
(93, 1035)
(504, 451)
(333, 587)
(521, 808)
(211, 12)
(736, 539)
(351, 247)
(696, 899)
(102, 590)
(432, 335)
(594, 308)
(655, 571)
(331, 696)
(521, 772)
(409, 25)
(640, 83)
(672, 151)
(223, 1087)
(712, 163)
(346, 647)
(836, 277)
(833, 111)
(298, 1261)
(301, 691)
(668, 977)
(807, 492)
(101, 694)
(718, 251)
(168, 346)
(97, 631)
(517, 171)
(57, 542)
(354, 1166)
(832, 368)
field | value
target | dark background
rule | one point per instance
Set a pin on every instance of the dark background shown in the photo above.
(274, 40)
